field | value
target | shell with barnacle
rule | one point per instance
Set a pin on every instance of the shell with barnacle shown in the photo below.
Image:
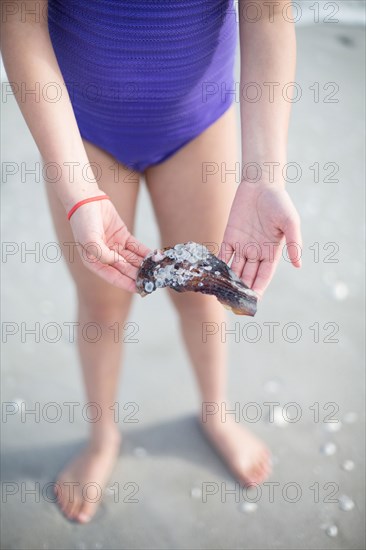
(191, 267)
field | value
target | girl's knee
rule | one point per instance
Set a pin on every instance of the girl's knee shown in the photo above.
(107, 308)
(195, 305)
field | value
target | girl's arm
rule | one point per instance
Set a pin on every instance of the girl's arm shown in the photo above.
(262, 214)
(31, 64)
(268, 58)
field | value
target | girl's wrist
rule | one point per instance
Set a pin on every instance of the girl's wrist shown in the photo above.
(264, 183)
(72, 181)
(70, 194)
(262, 173)
(88, 200)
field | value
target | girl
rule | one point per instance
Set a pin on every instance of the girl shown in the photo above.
(147, 87)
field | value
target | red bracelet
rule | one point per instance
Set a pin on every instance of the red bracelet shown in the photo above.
(80, 203)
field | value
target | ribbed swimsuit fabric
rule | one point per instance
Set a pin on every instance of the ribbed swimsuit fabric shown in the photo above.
(145, 77)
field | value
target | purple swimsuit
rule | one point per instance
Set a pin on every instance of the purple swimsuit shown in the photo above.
(145, 77)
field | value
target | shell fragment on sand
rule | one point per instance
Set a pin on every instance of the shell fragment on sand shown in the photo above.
(248, 507)
(328, 449)
(346, 503)
(348, 465)
(191, 267)
(332, 531)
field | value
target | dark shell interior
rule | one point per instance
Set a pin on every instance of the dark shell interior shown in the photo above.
(191, 267)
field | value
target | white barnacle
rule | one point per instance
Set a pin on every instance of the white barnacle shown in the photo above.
(149, 286)
(179, 249)
(202, 254)
(165, 272)
(192, 259)
(185, 255)
(157, 256)
(170, 253)
(198, 250)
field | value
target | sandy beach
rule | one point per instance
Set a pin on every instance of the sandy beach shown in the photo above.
(301, 358)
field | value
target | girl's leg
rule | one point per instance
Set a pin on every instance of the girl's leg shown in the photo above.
(191, 204)
(101, 303)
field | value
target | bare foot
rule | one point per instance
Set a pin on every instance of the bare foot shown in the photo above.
(246, 456)
(79, 488)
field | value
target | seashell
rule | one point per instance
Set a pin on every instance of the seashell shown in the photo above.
(346, 503)
(348, 465)
(248, 507)
(196, 492)
(332, 531)
(191, 267)
(328, 449)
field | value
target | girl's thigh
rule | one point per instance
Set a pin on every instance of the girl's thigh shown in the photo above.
(193, 190)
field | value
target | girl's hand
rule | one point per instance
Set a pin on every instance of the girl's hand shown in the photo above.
(261, 217)
(105, 245)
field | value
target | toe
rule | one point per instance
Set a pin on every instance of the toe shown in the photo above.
(74, 508)
(265, 460)
(57, 491)
(267, 468)
(68, 508)
(66, 503)
(262, 467)
(85, 513)
(255, 477)
(263, 474)
(257, 473)
(63, 506)
(61, 494)
(83, 518)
